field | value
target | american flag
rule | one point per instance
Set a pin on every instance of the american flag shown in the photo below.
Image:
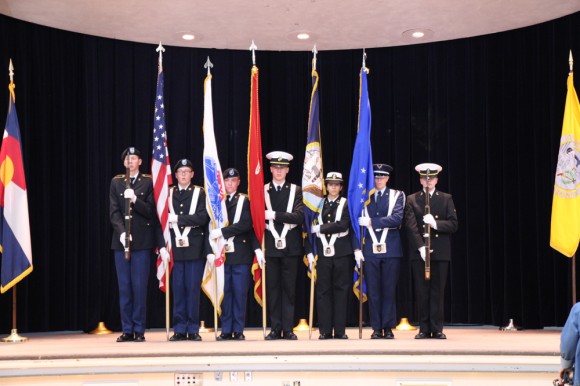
(161, 173)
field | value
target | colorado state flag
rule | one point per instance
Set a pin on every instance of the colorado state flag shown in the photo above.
(14, 228)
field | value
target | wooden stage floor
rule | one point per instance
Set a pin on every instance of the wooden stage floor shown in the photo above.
(527, 356)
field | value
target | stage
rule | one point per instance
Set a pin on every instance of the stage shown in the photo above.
(480, 355)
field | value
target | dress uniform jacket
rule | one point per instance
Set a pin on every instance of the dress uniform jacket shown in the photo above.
(144, 222)
(443, 210)
(244, 243)
(197, 221)
(328, 227)
(279, 201)
(380, 220)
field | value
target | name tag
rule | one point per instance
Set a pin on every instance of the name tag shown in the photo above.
(182, 243)
(380, 248)
(280, 243)
(329, 251)
(229, 247)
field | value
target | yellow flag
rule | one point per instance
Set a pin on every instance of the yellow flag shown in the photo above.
(565, 229)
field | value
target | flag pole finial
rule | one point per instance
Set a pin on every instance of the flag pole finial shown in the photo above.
(161, 50)
(364, 63)
(253, 48)
(571, 62)
(315, 52)
(208, 64)
(11, 71)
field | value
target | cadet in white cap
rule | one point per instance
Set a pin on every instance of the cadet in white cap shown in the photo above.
(443, 221)
(284, 215)
(335, 258)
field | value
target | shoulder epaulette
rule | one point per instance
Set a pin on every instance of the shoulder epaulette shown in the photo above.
(146, 175)
(119, 176)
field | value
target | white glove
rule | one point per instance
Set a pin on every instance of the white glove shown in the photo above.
(164, 255)
(315, 229)
(211, 259)
(122, 238)
(270, 215)
(311, 261)
(364, 221)
(215, 233)
(260, 257)
(130, 193)
(358, 256)
(172, 218)
(423, 252)
(430, 220)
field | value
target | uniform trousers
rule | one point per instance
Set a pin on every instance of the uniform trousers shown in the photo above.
(430, 294)
(381, 275)
(236, 284)
(186, 279)
(332, 286)
(133, 278)
(281, 286)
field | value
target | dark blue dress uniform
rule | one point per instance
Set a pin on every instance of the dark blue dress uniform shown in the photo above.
(381, 270)
(238, 264)
(189, 261)
(430, 293)
(333, 273)
(133, 274)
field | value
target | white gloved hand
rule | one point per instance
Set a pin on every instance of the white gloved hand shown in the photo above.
(211, 258)
(364, 221)
(311, 261)
(430, 220)
(122, 238)
(260, 257)
(423, 252)
(270, 215)
(130, 193)
(358, 256)
(315, 229)
(172, 218)
(215, 233)
(164, 255)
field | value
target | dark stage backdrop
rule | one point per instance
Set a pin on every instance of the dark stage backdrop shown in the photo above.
(488, 109)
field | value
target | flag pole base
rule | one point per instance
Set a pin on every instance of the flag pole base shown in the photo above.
(203, 328)
(404, 325)
(510, 326)
(14, 337)
(302, 326)
(101, 330)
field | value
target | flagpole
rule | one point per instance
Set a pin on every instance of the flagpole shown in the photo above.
(263, 271)
(167, 277)
(14, 337)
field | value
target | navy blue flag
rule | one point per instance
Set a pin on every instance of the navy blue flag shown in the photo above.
(361, 184)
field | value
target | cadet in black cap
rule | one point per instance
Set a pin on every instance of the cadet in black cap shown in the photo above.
(443, 221)
(188, 219)
(133, 274)
(335, 258)
(284, 214)
(382, 252)
(240, 245)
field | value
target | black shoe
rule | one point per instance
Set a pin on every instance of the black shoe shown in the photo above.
(194, 336)
(439, 335)
(224, 336)
(139, 337)
(178, 337)
(423, 335)
(289, 335)
(126, 337)
(340, 336)
(324, 336)
(273, 335)
(239, 336)
(377, 334)
(388, 334)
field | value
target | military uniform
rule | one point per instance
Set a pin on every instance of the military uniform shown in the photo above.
(430, 293)
(188, 256)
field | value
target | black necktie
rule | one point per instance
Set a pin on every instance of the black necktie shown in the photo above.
(229, 197)
(181, 191)
(132, 180)
(278, 188)
(379, 196)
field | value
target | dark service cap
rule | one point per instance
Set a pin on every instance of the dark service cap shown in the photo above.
(382, 170)
(130, 151)
(231, 172)
(183, 163)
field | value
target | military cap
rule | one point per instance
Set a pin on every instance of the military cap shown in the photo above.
(130, 151)
(382, 170)
(428, 169)
(231, 172)
(183, 163)
(279, 158)
(333, 177)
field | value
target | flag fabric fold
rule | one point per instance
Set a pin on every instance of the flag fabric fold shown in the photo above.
(565, 224)
(313, 189)
(361, 184)
(15, 242)
(213, 284)
(256, 178)
(161, 175)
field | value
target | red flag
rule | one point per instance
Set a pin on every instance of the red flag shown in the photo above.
(256, 179)
(161, 174)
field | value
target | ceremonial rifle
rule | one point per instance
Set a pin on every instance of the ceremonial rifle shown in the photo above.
(427, 234)
(127, 212)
